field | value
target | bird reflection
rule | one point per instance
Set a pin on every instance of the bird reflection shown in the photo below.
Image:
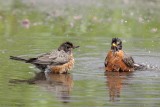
(115, 82)
(60, 84)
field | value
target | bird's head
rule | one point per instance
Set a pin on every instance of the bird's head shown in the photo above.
(67, 47)
(116, 44)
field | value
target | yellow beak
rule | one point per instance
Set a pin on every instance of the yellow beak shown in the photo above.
(114, 45)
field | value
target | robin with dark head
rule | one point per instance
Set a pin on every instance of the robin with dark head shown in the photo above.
(117, 60)
(60, 60)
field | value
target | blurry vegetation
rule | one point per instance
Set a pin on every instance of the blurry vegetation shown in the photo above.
(127, 18)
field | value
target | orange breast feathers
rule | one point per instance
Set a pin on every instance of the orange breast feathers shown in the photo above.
(63, 68)
(114, 62)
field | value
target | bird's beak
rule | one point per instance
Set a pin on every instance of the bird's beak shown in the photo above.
(114, 45)
(75, 47)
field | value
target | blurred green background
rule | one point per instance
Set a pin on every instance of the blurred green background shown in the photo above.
(123, 18)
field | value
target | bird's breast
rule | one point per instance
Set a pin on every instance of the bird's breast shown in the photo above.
(114, 62)
(64, 68)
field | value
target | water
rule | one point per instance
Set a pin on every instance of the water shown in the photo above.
(87, 85)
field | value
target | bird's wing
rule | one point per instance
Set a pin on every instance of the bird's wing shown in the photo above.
(34, 59)
(54, 58)
(128, 60)
(109, 55)
(106, 61)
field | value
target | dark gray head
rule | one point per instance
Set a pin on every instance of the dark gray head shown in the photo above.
(67, 47)
(116, 44)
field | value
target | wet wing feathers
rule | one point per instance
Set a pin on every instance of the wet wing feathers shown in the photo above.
(128, 60)
(106, 61)
(53, 58)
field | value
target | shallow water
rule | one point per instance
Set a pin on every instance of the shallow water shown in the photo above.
(87, 85)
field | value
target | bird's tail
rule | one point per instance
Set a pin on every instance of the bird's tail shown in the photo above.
(18, 58)
(140, 67)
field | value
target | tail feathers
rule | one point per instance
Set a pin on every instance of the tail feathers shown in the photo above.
(18, 58)
(139, 67)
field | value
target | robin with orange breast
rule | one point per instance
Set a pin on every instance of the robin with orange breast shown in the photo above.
(117, 60)
(57, 61)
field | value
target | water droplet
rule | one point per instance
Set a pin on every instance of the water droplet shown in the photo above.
(149, 51)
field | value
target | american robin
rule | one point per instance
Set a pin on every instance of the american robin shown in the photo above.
(117, 60)
(60, 60)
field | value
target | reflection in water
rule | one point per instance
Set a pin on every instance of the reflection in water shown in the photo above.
(115, 83)
(60, 84)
